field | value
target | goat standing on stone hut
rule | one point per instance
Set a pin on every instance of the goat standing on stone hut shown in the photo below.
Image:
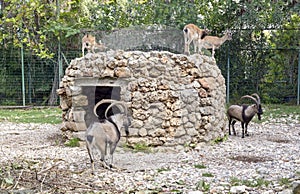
(89, 43)
(104, 135)
(213, 42)
(192, 33)
(244, 113)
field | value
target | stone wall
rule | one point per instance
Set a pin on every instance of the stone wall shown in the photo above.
(173, 99)
(146, 38)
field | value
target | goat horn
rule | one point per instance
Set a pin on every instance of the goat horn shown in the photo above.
(103, 101)
(257, 96)
(125, 110)
(251, 97)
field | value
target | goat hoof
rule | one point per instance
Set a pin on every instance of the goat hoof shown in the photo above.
(247, 134)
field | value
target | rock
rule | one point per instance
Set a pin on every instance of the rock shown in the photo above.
(286, 191)
(296, 187)
(238, 189)
(195, 192)
(216, 190)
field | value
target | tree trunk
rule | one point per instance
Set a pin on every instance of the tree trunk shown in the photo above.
(53, 95)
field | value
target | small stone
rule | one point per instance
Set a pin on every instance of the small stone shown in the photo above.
(238, 189)
(195, 192)
(218, 189)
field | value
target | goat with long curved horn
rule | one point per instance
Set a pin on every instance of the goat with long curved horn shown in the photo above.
(124, 111)
(103, 101)
(244, 113)
(116, 103)
(257, 97)
(105, 133)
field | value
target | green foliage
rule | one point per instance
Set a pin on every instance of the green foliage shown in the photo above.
(283, 64)
(35, 115)
(256, 64)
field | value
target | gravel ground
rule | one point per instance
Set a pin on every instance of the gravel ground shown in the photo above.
(35, 160)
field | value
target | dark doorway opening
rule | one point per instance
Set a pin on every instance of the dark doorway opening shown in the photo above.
(94, 95)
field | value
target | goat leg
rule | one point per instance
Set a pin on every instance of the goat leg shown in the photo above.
(91, 158)
(233, 129)
(187, 46)
(246, 129)
(243, 130)
(113, 146)
(229, 126)
(213, 52)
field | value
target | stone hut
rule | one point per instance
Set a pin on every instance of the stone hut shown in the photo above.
(173, 99)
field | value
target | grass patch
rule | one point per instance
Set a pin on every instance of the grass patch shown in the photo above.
(139, 147)
(220, 139)
(285, 181)
(249, 183)
(272, 111)
(200, 166)
(32, 115)
(207, 174)
(203, 186)
(74, 142)
(163, 170)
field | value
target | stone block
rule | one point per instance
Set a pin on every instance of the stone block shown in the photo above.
(143, 132)
(80, 126)
(180, 131)
(79, 116)
(122, 72)
(80, 100)
(204, 83)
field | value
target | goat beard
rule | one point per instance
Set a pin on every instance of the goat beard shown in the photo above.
(259, 117)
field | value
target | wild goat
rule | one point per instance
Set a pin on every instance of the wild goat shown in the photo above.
(213, 42)
(193, 34)
(89, 43)
(106, 133)
(244, 113)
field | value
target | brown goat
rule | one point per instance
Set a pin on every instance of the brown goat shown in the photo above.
(89, 43)
(192, 34)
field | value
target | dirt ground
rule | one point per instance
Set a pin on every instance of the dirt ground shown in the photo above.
(34, 159)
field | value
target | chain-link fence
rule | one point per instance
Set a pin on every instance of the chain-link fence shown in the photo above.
(248, 66)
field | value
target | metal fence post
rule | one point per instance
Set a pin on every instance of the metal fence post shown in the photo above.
(228, 78)
(23, 76)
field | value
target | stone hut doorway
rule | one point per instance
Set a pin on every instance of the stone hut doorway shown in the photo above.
(94, 95)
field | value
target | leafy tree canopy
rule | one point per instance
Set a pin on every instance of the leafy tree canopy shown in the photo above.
(38, 23)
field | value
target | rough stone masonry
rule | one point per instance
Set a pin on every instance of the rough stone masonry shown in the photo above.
(173, 99)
